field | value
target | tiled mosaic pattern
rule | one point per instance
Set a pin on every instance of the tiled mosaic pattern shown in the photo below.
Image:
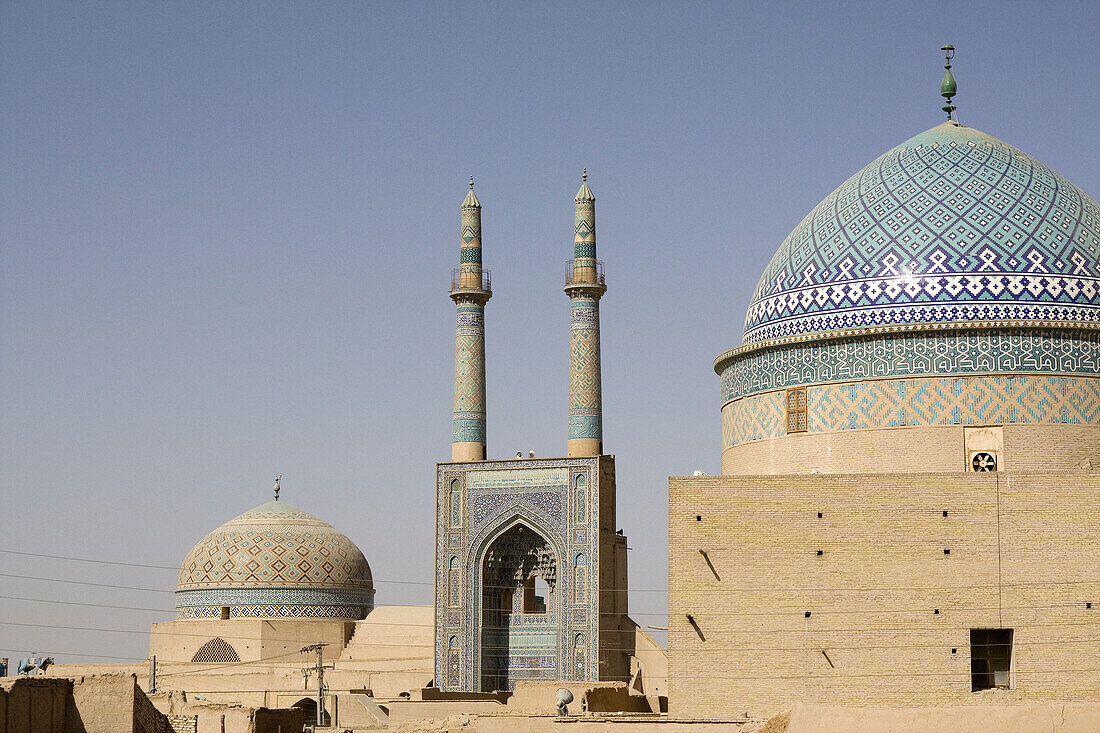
(550, 502)
(469, 403)
(952, 225)
(898, 355)
(273, 556)
(585, 394)
(468, 424)
(585, 387)
(922, 401)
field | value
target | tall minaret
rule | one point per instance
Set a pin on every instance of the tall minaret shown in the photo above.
(585, 286)
(470, 290)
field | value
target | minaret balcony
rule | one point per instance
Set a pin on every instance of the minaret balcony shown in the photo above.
(582, 275)
(471, 282)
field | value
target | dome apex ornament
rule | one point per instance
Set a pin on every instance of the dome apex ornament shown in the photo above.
(277, 480)
(948, 86)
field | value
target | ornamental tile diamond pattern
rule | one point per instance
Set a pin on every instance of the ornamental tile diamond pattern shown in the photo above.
(999, 400)
(952, 225)
(283, 554)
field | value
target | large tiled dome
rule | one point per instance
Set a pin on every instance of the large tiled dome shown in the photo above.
(952, 225)
(275, 561)
(953, 281)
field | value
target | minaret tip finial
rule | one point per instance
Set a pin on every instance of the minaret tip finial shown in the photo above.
(471, 183)
(948, 86)
(277, 479)
(584, 174)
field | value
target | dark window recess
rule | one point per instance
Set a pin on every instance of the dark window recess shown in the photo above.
(819, 515)
(947, 552)
(807, 614)
(820, 553)
(698, 517)
(224, 613)
(796, 410)
(990, 658)
(945, 512)
(936, 612)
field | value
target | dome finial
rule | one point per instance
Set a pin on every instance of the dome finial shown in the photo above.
(948, 86)
(471, 183)
(584, 174)
(277, 479)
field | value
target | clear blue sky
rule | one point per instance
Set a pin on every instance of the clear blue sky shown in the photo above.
(226, 233)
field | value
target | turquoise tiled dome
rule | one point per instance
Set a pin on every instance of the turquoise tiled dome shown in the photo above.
(275, 561)
(951, 226)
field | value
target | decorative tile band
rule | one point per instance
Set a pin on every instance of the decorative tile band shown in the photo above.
(275, 611)
(924, 401)
(913, 354)
(286, 596)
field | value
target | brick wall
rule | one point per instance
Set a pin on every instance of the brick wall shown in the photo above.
(1024, 554)
(910, 449)
(33, 704)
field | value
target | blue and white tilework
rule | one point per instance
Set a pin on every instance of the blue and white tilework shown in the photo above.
(538, 499)
(949, 352)
(951, 225)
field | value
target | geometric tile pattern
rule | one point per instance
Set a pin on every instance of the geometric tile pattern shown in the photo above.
(951, 225)
(469, 422)
(585, 288)
(923, 401)
(550, 502)
(272, 556)
(585, 400)
(216, 650)
(956, 352)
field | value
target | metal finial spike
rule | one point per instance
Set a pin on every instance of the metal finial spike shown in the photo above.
(471, 183)
(584, 174)
(277, 479)
(948, 87)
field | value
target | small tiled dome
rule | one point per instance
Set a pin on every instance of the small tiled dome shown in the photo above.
(275, 561)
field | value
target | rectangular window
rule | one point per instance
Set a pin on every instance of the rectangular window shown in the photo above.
(796, 410)
(990, 658)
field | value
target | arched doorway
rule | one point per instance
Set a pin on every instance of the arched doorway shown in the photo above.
(520, 610)
(309, 705)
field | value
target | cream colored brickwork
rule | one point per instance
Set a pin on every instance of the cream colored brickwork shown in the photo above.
(911, 449)
(1024, 554)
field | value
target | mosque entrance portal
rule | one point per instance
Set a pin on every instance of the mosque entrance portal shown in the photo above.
(521, 610)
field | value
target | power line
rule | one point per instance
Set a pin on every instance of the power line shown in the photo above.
(84, 582)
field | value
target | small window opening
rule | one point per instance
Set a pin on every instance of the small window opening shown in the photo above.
(698, 517)
(807, 614)
(820, 553)
(225, 613)
(936, 612)
(535, 593)
(819, 515)
(983, 462)
(990, 659)
(945, 512)
(796, 410)
(947, 552)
